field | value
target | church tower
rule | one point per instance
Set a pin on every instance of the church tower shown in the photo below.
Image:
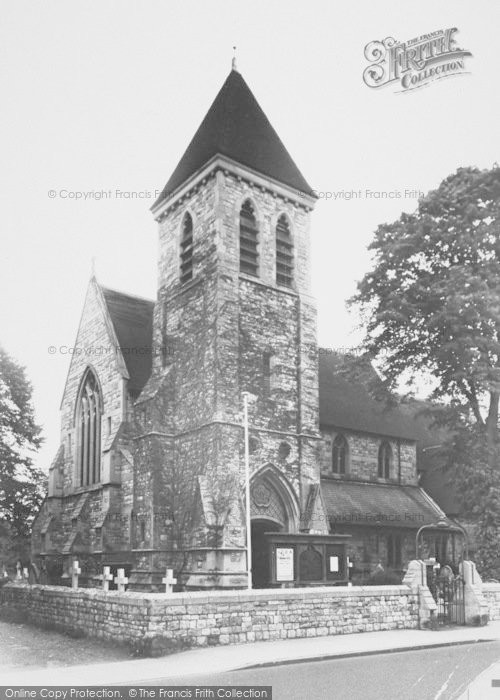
(233, 315)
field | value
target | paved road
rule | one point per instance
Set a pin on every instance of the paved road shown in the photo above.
(442, 673)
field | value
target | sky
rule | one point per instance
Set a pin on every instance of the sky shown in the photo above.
(105, 95)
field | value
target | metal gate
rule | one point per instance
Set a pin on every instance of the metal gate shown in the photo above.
(449, 594)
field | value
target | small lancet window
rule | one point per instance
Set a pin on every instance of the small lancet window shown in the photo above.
(187, 249)
(89, 414)
(385, 460)
(284, 253)
(340, 451)
(249, 256)
(266, 372)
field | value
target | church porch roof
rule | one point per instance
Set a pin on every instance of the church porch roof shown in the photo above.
(365, 504)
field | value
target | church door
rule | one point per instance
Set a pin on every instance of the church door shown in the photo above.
(261, 565)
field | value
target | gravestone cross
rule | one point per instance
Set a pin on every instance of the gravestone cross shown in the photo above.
(350, 565)
(169, 581)
(107, 576)
(19, 572)
(121, 580)
(75, 572)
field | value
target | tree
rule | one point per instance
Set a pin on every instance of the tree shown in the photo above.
(431, 304)
(21, 483)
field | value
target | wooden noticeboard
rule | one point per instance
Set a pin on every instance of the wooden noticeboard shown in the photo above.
(304, 559)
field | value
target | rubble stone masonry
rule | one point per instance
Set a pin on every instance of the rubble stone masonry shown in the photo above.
(491, 593)
(362, 460)
(155, 624)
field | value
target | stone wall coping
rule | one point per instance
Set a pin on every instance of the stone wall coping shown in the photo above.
(239, 596)
(493, 587)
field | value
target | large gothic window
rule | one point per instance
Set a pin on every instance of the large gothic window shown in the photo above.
(340, 450)
(187, 248)
(249, 231)
(88, 419)
(284, 253)
(385, 460)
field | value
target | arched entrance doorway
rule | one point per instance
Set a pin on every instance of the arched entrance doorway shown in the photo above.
(261, 572)
(273, 508)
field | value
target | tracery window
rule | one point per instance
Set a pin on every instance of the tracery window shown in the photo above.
(88, 417)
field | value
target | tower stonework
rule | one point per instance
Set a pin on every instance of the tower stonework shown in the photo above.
(220, 334)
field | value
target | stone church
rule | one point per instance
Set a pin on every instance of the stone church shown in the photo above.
(150, 469)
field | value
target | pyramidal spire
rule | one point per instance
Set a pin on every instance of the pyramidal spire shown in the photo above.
(235, 126)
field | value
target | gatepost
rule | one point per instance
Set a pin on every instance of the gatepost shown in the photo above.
(476, 608)
(416, 579)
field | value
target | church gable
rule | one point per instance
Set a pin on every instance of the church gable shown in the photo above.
(96, 353)
(96, 342)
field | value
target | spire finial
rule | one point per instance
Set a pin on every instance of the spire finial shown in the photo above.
(92, 263)
(233, 62)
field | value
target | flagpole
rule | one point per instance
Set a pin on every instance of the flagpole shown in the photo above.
(247, 492)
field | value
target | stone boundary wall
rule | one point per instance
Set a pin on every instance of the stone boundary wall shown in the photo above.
(155, 624)
(491, 593)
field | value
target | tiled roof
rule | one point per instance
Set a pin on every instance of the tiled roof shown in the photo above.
(235, 126)
(347, 404)
(132, 319)
(386, 505)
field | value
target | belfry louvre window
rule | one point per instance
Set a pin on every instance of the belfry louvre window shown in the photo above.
(249, 256)
(284, 253)
(187, 249)
(88, 418)
(339, 455)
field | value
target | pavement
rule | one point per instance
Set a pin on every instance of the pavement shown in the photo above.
(486, 686)
(243, 656)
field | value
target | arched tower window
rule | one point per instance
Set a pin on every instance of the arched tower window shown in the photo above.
(187, 248)
(385, 460)
(88, 419)
(249, 256)
(284, 253)
(340, 453)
